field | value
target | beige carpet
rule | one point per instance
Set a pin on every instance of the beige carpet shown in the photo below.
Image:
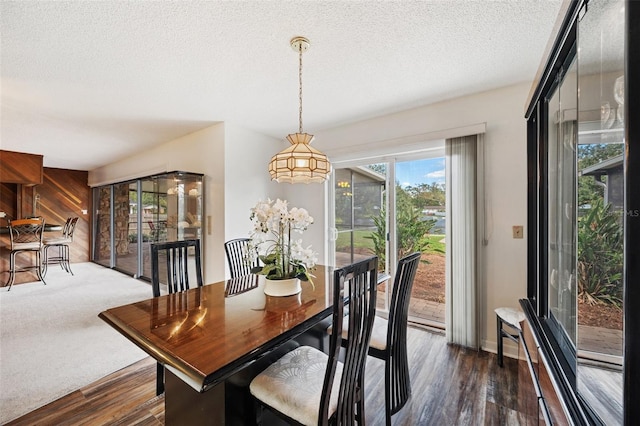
(52, 341)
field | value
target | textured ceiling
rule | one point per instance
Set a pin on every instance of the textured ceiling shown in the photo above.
(88, 82)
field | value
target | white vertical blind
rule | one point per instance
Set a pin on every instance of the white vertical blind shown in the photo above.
(461, 313)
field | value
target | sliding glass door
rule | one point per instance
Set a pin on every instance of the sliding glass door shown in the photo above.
(409, 193)
(125, 208)
(131, 215)
(102, 226)
(360, 216)
(420, 226)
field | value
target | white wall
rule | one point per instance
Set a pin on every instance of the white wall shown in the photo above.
(506, 177)
(246, 177)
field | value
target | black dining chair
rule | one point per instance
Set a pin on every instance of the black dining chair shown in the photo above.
(389, 338)
(25, 236)
(60, 242)
(307, 386)
(170, 266)
(236, 256)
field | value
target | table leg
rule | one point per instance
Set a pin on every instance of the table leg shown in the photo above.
(183, 405)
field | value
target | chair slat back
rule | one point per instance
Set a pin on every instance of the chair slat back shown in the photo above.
(402, 286)
(174, 270)
(66, 226)
(397, 367)
(69, 227)
(236, 256)
(26, 231)
(357, 284)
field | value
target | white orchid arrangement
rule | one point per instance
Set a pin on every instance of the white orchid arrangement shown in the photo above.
(272, 241)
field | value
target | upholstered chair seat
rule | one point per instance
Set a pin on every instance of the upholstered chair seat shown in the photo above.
(57, 240)
(378, 335)
(298, 378)
(25, 246)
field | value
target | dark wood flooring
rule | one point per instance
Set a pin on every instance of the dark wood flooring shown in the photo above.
(451, 386)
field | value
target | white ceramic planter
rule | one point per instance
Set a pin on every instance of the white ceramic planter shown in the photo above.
(281, 288)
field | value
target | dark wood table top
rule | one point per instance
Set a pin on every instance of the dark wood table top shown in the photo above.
(204, 335)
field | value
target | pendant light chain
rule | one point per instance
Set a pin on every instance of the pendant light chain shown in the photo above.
(300, 81)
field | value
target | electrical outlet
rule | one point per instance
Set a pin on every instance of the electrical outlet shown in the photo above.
(3, 214)
(518, 231)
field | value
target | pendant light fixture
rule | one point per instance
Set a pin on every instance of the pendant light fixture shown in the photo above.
(300, 162)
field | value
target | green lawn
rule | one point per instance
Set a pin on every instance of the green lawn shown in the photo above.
(435, 244)
(360, 242)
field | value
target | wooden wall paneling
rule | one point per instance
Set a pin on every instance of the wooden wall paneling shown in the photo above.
(8, 196)
(25, 201)
(63, 193)
(66, 193)
(15, 201)
(18, 167)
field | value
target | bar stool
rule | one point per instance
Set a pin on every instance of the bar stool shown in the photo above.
(512, 318)
(62, 243)
(26, 236)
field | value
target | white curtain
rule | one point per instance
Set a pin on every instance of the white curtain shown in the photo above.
(461, 311)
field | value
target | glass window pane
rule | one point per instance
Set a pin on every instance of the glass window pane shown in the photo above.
(184, 205)
(360, 216)
(420, 226)
(601, 208)
(102, 238)
(154, 220)
(562, 133)
(125, 211)
(344, 199)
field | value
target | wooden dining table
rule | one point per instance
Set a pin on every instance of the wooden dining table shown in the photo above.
(205, 335)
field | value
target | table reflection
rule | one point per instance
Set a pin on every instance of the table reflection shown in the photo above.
(178, 317)
(239, 285)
